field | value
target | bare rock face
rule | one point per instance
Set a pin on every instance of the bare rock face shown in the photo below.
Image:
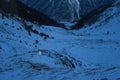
(66, 10)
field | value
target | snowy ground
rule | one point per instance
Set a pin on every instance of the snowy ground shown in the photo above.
(32, 52)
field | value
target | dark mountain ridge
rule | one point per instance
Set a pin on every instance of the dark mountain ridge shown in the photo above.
(20, 9)
(66, 10)
(91, 17)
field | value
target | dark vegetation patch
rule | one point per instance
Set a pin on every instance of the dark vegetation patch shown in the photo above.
(112, 68)
(44, 35)
(37, 66)
(104, 79)
(13, 26)
(108, 33)
(65, 60)
(29, 29)
(19, 28)
(36, 41)
(118, 79)
(0, 47)
(5, 70)
(20, 41)
(6, 24)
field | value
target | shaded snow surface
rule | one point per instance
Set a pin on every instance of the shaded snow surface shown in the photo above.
(33, 52)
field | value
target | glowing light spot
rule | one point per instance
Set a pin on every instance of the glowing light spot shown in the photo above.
(40, 52)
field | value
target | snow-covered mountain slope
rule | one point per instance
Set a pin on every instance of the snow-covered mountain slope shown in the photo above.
(66, 10)
(15, 7)
(32, 52)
